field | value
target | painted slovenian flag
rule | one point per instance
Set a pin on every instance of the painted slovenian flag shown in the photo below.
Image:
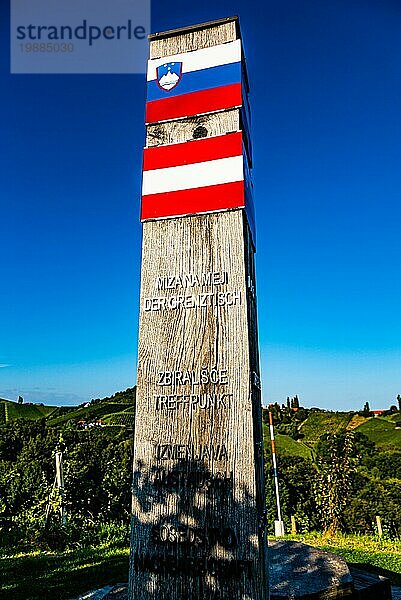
(194, 83)
(193, 177)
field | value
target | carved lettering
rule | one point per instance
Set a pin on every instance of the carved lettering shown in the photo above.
(193, 536)
(220, 483)
(203, 300)
(173, 402)
(191, 452)
(192, 566)
(201, 377)
(190, 280)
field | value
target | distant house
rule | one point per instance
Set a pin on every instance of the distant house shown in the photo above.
(377, 413)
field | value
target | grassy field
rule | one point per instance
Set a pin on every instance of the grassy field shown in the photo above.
(319, 423)
(286, 446)
(12, 410)
(96, 411)
(356, 421)
(124, 418)
(394, 417)
(61, 575)
(116, 410)
(382, 432)
(373, 554)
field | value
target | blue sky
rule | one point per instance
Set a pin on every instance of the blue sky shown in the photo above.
(325, 96)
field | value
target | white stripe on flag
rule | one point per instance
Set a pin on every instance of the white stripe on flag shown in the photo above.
(185, 177)
(205, 58)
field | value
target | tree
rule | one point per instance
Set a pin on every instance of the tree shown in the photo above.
(366, 410)
(97, 472)
(336, 461)
(296, 480)
(399, 402)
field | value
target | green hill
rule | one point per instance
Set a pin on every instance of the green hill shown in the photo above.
(382, 432)
(393, 417)
(93, 412)
(10, 411)
(319, 423)
(285, 445)
(116, 410)
(289, 447)
(125, 418)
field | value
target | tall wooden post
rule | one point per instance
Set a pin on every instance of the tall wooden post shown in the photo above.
(198, 516)
(60, 486)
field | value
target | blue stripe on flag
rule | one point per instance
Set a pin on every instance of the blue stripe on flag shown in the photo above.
(196, 81)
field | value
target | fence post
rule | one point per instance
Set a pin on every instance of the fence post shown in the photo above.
(379, 526)
(60, 486)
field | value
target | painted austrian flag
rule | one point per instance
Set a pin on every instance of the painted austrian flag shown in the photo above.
(194, 83)
(193, 177)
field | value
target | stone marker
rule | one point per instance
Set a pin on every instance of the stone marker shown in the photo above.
(301, 571)
(198, 516)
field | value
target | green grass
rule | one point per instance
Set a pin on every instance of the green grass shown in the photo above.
(290, 447)
(96, 411)
(286, 445)
(382, 432)
(394, 417)
(371, 553)
(114, 413)
(61, 575)
(319, 423)
(61, 411)
(12, 411)
(125, 418)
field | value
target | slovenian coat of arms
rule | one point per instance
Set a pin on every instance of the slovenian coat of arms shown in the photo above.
(169, 75)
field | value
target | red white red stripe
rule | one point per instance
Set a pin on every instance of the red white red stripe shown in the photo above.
(193, 177)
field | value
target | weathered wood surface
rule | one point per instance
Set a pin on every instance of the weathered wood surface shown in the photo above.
(213, 499)
(193, 39)
(198, 526)
(182, 130)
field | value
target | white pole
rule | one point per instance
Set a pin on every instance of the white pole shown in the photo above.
(279, 525)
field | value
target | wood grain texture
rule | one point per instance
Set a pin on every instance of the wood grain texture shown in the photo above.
(198, 524)
(189, 339)
(182, 130)
(194, 40)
